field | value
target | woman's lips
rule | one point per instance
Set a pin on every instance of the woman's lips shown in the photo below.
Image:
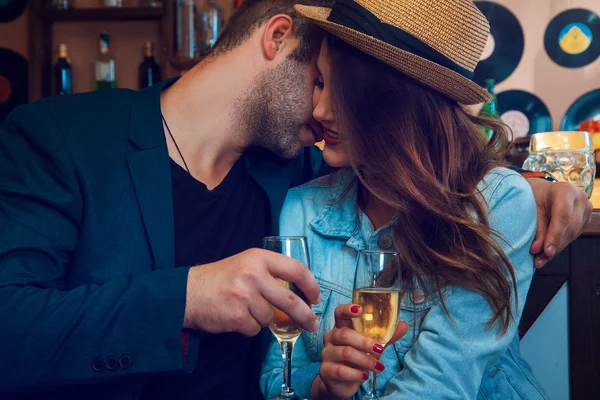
(331, 137)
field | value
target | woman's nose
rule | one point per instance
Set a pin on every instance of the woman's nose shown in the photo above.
(323, 111)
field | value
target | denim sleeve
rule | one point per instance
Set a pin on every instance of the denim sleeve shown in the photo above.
(448, 359)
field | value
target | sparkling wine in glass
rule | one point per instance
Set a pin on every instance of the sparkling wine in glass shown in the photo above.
(283, 328)
(377, 286)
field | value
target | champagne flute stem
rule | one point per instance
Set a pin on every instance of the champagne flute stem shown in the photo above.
(287, 347)
(372, 386)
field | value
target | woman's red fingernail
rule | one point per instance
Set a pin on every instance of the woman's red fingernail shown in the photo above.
(354, 309)
(365, 376)
(377, 348)
(379, 366)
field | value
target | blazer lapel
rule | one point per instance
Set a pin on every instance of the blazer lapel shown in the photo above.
(273, 176)
(149, 166)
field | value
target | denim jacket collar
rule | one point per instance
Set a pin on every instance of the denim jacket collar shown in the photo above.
(340, 217)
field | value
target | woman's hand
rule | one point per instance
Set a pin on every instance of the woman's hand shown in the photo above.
(345, 363)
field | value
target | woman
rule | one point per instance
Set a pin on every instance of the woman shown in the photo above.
(420, 176)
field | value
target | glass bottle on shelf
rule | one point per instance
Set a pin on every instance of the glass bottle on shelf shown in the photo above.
(209, 23)
(63, 82)
(104, 65)
(112, 3)
(149, 70)
(186, 43)
(490, 107)
(151, 3)
(61, 4)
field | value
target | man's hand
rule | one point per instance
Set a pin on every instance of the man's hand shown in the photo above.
(235, 294)
(563, 209)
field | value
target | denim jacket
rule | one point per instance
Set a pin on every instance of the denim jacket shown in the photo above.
(440, 357)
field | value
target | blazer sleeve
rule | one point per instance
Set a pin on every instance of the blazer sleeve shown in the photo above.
(52, 333)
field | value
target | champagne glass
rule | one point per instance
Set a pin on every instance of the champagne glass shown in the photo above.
(377, 291)
(285, 330)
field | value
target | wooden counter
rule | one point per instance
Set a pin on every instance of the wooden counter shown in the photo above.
(579, 266)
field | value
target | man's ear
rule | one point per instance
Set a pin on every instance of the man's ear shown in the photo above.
(279, 30)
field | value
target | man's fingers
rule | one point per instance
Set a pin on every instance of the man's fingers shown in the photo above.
(344, 314)
(290, 304)
(262, 311)
(540, 260)
(540, 234)
(248, 326)
(589, 208)
(401, 330)
(290, 270)
(561, 215)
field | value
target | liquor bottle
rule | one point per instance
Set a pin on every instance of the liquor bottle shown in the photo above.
(63, 82)
(104, 65)
(62, 4)
(209, 26)
(151, 3)
(490, 107)
(149, 70)
(112, 3)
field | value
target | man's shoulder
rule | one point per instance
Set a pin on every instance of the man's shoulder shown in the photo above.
(85, 107)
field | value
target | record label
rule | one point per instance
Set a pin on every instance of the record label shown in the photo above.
(489, 48)
(572, 38)
(504, 48)
(575, 38)
(518, 122)
(524, 113)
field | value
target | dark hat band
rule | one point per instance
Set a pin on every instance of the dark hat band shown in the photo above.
(352, 15)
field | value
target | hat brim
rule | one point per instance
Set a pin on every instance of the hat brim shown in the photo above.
(433, 75)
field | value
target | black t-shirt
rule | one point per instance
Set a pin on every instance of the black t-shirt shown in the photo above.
(210, 226)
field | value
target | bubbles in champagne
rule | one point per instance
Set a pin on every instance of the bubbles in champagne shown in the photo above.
(380, 313)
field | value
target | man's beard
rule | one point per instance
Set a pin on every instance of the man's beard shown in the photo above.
(275, 110)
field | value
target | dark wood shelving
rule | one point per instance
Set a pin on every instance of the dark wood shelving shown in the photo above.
(102, 14)
(184, 64)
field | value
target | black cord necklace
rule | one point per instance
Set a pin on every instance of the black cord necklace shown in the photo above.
(175, 143)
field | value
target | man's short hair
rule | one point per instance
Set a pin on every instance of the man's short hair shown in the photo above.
(254, 13)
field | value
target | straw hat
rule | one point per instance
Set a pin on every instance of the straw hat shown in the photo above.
(436, 42)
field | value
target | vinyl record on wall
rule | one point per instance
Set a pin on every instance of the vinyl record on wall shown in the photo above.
(524, 112)
(504, 48)
(584, 108)
(572, 38)
(11, 9)
(14, 81)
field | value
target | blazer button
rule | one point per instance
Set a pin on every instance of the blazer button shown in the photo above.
(98, 364)
(385, 242)
(125, 361)
(111, 363)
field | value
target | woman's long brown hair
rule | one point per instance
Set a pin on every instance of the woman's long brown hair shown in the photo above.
(419, 152)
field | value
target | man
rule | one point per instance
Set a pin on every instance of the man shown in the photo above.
(124, 236)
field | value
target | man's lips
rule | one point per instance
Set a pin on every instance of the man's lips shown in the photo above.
(331, 137)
